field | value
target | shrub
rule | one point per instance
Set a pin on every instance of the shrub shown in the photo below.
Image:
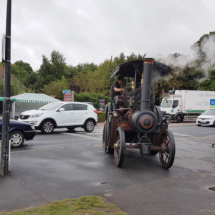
(92, 97)
(101, 116)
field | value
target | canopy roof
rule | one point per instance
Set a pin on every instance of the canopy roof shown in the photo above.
(32, 98)
(128, 69)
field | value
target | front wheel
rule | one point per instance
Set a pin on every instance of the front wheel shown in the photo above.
(47, 127)
(17, 139)
(167, 153)
(89, 125)
(119, 147)
(106, 140)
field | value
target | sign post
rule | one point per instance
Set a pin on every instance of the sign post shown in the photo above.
(6, 57)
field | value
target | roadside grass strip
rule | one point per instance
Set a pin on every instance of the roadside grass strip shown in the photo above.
(86, 205)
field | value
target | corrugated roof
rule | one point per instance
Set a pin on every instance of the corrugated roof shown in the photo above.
(34, 98)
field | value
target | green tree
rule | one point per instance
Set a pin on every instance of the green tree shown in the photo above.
(15, 87)
(56, 88)
(21, 69)
(55, 67)
(23, 65)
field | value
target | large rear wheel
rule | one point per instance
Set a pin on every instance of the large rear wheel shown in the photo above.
(119, 147)
(167, 153)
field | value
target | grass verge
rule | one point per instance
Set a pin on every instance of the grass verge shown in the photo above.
(87, 205)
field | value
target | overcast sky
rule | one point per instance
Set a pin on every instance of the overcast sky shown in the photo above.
(94, 30)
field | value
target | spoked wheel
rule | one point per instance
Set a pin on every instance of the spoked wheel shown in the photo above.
(119, 147)
(106, 139)
(167, 153)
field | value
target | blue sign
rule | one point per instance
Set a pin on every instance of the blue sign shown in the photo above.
(172, 111)
(212, 103)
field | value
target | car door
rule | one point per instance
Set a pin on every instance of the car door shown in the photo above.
(66, 116)
(80, 113)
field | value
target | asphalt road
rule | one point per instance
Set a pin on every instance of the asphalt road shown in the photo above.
(71, 164)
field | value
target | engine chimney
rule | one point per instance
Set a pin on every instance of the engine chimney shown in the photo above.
(147, 79)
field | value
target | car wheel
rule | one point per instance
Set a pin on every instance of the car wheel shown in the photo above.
(47, 127)
(214, 124)
(199, 125)
(71, 128)
(89, 125)
(17, 139)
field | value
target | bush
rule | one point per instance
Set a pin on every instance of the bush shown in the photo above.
(101, 116)
(92, 97)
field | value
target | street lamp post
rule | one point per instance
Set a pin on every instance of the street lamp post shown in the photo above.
(4, 168)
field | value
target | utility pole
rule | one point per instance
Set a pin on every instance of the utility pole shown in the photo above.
(4, 168)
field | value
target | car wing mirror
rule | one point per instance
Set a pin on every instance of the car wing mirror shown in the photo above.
(61, 109)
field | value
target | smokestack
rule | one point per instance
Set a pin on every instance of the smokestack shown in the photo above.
(147, 79)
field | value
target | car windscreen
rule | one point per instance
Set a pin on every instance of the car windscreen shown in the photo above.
(166, 103)
(209, 112)
(51, 106)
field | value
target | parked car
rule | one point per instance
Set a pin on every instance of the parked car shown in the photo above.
(206, 118)
(68, 115)
(19, 132)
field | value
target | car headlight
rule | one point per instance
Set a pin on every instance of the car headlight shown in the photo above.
(36, 115)
(32, 127)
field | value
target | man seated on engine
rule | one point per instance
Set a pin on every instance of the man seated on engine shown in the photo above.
(116, 88)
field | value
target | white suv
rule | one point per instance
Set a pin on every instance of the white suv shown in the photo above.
(68, 115)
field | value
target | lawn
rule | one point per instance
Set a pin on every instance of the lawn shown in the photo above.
(87, 205)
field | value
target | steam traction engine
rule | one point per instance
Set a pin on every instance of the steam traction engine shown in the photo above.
(132, 120)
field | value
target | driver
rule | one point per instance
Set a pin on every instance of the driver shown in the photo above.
(116, 88)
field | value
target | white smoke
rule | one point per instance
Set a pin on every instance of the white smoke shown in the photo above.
(181, 61)
(175, 60)
(208, 48)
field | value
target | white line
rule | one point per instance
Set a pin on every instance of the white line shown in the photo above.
(83, 136)
(183, 134)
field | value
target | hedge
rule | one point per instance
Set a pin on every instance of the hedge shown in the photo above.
(91, 97)
(101, 116)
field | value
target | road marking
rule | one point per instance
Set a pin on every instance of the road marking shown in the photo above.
(83, 136)
(183, 134)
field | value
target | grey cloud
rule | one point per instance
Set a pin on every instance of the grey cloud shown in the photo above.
(94, 30)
